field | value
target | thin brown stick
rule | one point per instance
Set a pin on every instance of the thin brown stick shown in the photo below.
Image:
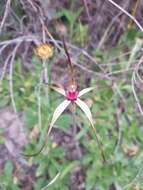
(126, 13)
(69, 62)
(134, 10)
(86, 9)
(32, 4)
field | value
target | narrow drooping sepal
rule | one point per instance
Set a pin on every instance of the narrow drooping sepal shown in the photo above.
(88, 114)
(58, 111)
(86, 110)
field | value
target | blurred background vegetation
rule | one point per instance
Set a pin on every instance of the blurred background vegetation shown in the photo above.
(106, 49)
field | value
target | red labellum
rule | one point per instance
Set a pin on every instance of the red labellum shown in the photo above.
(72, 93)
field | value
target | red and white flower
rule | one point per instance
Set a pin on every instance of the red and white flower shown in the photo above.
(72, 95)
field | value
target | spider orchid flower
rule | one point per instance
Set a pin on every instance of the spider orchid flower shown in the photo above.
(71, 96)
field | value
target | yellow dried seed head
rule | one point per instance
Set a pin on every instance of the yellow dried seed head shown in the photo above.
(44, 51)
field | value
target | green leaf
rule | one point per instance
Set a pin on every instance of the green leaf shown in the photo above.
(8, 168)
(68, 169)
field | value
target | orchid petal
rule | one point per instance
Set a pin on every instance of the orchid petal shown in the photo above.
(58, 111)
(86, 110)
(84, 91)
(59, 90)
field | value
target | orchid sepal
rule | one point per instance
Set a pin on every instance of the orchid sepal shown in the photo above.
(58, 111)
(85, 90)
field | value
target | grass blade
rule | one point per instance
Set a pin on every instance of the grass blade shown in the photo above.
(52, 181)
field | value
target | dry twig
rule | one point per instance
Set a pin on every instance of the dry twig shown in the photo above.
(5, 14)
(126, 13)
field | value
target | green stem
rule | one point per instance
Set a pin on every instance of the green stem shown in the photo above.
(75, 130)
(99, 143)
(46, 80)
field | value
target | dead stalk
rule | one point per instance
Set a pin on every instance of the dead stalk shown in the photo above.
(5, 14)
(126, 13)
(11, 77)
(133, 81)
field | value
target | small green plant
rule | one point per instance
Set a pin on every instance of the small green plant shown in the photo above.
(72, 96)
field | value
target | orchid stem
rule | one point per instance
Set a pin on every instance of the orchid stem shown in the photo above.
(45, 66)
(75, 130)
(46, 79)
(39, 103)
(99, 144)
